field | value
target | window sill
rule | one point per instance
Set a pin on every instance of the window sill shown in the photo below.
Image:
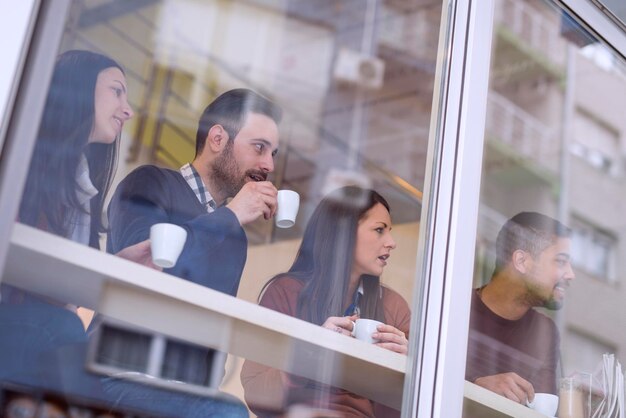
(43, 263)
(480, 402)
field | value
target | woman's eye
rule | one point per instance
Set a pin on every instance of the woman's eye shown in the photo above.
(380, 230)
(118, 91)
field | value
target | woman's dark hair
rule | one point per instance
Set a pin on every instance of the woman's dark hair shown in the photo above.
(325, 258)
(50, 198)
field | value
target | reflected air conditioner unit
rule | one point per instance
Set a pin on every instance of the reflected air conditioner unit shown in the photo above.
(355, 68)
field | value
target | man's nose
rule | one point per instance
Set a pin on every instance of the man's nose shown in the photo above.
(267, 163)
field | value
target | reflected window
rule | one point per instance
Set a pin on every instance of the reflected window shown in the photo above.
(596, 142)
(593, 251)
(588, 354)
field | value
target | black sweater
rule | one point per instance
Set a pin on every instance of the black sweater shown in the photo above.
(215, 251)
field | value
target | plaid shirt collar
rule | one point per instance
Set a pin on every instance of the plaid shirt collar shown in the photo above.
(197, 185)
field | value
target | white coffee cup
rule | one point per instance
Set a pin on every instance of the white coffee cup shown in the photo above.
(546, 403)
(288, 203)
(166, 242)
(364, 328)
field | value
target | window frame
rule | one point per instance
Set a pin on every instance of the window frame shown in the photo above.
(436, 363)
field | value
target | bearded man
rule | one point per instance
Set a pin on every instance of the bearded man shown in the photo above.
(236, 142)
(513, 350)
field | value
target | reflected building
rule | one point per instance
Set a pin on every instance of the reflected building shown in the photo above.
(356, 79)
(555, 142)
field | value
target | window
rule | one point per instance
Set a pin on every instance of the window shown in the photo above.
(553, 158)
(596, 143)
(356, 95)
(593, 251)
(588, 354)
(358, 81)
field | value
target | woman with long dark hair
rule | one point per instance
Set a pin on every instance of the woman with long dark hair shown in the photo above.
(72, 167)
(334, 279)
(75, 155)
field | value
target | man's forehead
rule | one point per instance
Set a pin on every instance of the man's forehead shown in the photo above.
(260, 126)
(256, 117)
(559, 245)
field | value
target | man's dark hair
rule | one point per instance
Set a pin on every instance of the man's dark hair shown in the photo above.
(230, 110)
(528, 231)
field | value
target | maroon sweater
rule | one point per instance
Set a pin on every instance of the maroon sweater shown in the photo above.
(528, 346)
(268, 394)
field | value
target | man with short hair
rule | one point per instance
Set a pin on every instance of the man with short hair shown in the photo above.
(236, 142)
(513, 350)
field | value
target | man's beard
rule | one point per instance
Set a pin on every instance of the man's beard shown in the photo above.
(225, 172)
(535, 298)
(227, 175)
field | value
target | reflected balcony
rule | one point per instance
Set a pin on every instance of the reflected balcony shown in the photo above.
(516, 139)
(528, 42)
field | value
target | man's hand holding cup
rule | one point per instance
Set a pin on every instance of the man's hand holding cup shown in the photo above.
(255, 199)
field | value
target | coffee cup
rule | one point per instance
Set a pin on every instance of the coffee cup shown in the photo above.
(546, 403)
(364, 328)
(166, 242)
(288, 203)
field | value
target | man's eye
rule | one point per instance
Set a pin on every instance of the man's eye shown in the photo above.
(260, 147)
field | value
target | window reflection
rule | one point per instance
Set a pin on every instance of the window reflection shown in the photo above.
(554, 143)
(355, 82)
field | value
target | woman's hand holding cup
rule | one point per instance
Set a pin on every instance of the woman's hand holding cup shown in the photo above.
(391, 338)
(340, 324)
(375, 332)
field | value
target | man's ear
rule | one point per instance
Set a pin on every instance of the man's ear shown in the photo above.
(520, 260)
(216, 138)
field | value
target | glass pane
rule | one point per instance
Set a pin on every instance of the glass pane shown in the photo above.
(548, 298)
(330, 100)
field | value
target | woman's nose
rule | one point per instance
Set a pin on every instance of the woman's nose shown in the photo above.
(391, 244)
(128, 111)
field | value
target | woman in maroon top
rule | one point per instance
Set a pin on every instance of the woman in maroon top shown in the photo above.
(334, 280)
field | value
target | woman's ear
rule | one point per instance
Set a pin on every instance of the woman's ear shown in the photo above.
(216, 138)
